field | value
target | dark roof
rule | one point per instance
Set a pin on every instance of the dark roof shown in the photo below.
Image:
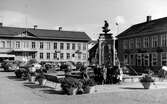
(45, 33)
(153, 26)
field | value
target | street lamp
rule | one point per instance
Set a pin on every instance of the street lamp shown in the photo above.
(114, 50)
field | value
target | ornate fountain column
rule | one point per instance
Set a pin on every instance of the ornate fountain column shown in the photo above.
(105, 47)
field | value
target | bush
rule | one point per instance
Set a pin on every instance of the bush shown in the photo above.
(21, 73)
(146, 78)
(40, 75)
(87, 84)
(68, 84)
(18, 73)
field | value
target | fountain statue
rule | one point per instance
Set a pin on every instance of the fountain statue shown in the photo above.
(105, 27)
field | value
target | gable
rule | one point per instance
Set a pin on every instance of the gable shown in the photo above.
(26, 34)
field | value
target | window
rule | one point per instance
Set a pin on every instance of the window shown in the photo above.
(84, 46)
(61, 46)
(154, 59)
(48, 45)
(131, 43)
(125, 59)
(154, 41)
(146, 42)
(33, 44)
(164, 58)
(8, 44)
(55, 46)
(41, 45)
(84, 56)
(68, 46)
(47, 55)
(61, 55)
(164, 40)
(146, 59)
(41, 56)
(125, 44)
(73, 46)
(131, 59)
(79, 56)
(17, 44)
(2, 44)
(138, 43)
(68, 55)
(139, 59)
(54, 55)
(79, 46)
(33, 55)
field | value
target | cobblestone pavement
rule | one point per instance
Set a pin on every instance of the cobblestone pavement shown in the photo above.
(16, 91)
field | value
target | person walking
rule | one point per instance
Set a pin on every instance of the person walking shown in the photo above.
(104, 75)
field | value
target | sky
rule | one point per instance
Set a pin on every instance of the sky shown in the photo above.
(80, 15)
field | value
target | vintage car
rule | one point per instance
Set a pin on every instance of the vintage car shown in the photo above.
(9, 65)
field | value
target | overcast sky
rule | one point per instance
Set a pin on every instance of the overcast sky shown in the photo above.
(80, 15)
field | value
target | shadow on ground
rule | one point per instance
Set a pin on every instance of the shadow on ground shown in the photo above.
(27, 83)
(6, 71)
(132, 88)
(33, 86)
(15, 78)
(52, 91)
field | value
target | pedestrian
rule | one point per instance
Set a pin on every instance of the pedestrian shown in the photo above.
(84, 74)
(120, 75)
(32, 73)
(104, 74)
(109, 75)
(95, 69)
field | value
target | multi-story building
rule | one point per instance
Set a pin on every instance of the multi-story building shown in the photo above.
(144, 44)
(43, 45)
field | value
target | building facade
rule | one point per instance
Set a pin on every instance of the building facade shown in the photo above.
(43, 45)
(144, 44)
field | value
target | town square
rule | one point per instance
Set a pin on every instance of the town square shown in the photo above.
(87, 52)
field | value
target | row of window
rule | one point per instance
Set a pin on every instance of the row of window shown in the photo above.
(145, 59)
(46, 45)
(62, 56)
(146, 42)
(69, 46)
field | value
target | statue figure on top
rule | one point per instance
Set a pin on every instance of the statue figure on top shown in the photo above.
(105, 27)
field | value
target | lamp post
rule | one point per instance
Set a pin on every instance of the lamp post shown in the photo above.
(114, 51)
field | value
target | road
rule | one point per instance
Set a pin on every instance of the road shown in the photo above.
(16, 91)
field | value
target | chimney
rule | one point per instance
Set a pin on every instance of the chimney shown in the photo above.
(1, 24)
(35, 27)
(60, 28)
(148, 19)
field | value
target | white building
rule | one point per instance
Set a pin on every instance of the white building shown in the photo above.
(43, 45)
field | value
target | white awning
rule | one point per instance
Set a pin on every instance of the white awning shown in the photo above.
(6, 55)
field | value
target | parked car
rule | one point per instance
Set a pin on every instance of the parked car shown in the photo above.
(9, 65)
